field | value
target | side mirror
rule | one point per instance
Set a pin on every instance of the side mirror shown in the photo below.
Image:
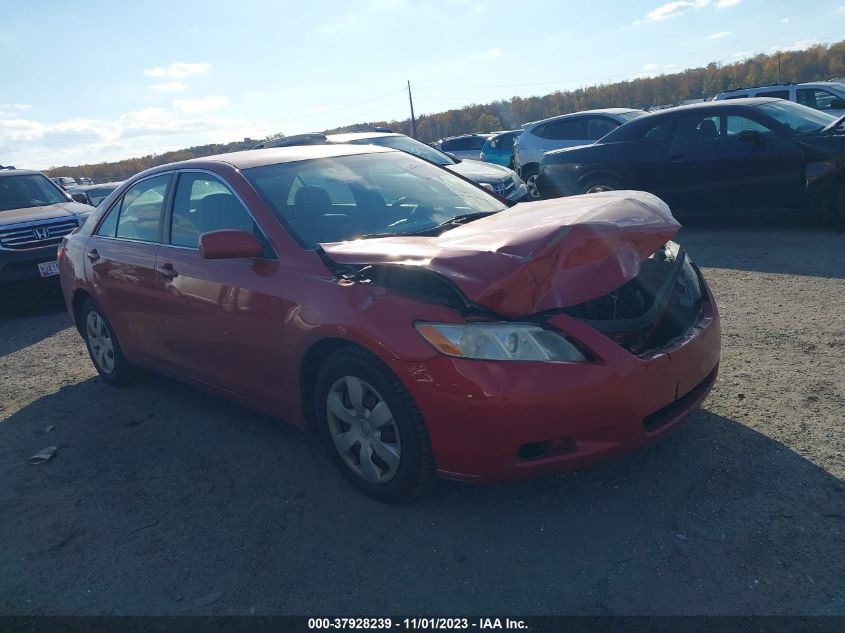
(80, 197)
(453, 157)
(752, 136)
(837, 104)
(229, 244)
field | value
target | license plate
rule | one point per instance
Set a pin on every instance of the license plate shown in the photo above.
(48, 269)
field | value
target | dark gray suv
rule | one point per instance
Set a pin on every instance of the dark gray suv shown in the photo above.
(35, 215)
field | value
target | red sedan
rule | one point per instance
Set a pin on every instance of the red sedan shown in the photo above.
(422, 324)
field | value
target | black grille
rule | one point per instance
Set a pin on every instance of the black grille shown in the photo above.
(36, 235)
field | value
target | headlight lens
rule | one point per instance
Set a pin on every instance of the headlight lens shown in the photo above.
(500, 341)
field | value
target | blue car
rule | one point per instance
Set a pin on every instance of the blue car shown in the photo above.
(498, 148)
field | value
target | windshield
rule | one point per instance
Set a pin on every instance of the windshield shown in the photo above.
(797, 117)
(31, 190)
(409, 145)
(347, 197)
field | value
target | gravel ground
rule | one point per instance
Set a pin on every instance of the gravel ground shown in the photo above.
(165, 500)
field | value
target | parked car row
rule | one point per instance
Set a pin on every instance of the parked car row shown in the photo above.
(66, 181)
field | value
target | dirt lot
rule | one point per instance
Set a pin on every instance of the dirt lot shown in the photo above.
(165, 500)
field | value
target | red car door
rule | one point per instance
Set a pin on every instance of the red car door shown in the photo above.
(120, 262)
(225, 317)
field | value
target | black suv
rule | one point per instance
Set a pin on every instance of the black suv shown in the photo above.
(35, 214)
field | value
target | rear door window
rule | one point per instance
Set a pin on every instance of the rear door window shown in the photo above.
(563, 130)
(774, 94)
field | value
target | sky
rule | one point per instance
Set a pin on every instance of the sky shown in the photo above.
(92, 81)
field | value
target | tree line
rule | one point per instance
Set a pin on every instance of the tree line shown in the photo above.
(812, 64)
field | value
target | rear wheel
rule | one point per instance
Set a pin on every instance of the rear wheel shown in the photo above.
(103, 346)
(530, 174)
(372, 427)
(602, 183)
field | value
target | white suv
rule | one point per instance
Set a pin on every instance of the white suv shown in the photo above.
(827, 96)
(567, 130)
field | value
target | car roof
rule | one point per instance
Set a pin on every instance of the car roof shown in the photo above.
(808, 84)
(582, 112)
(19, 172)
(724, 103)
(273, 155)
(450, 138)
(96, 186)
(346, 137)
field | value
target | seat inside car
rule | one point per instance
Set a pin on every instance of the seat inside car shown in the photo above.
(313, 217)
(707, 130)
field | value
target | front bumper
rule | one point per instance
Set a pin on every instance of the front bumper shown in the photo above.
(21, 267)
(495, 421)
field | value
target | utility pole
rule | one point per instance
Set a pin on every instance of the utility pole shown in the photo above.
(413, 120)
(778, 67)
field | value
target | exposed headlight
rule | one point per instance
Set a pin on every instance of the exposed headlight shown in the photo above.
(517, 181)
(499, 341)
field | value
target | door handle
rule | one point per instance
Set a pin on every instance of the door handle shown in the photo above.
(167, 270)
(93, 255)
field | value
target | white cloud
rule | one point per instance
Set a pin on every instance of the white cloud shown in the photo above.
(724, 4)
(798, 46)
(784, 20)
(719, 35)
(201, 104)
(840, 9)
(494, 52)
(673, 9)
(170, 86)
(651, 67)
(178, 70)
(30, 143)
(743, 54)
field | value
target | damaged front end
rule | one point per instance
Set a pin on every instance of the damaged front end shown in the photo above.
(659, 306)
(605, 259)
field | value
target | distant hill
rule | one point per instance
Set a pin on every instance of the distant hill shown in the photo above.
(812, 64)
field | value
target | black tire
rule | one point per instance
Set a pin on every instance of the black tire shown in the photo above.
(117, 369)
(415, 473)
(602, 183)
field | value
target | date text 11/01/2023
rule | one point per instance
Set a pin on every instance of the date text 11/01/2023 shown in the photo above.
(416, 623)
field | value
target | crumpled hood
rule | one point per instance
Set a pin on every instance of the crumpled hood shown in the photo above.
(479, 171)
(534, 256)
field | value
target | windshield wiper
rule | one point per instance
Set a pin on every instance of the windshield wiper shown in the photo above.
(434, 230)
(832, 126)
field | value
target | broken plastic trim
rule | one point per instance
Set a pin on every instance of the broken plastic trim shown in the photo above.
(618, 326)
(414, 282)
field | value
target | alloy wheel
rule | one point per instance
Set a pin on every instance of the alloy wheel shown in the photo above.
(100, 341)
(363, 430)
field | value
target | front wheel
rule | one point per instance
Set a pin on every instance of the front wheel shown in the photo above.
(602, 183)
(103, 346)
(372, 427)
